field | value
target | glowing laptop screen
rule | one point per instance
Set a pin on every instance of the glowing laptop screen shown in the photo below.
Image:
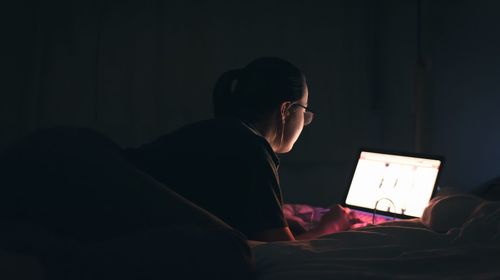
(393, 183)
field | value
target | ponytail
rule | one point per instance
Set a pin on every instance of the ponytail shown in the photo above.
(223, 94)
(253, 92)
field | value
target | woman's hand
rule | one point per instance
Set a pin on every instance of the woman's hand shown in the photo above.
(337, 219)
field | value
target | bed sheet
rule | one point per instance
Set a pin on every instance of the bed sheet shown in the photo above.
(458, 238)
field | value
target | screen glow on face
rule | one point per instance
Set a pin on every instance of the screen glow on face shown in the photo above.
(392, 183)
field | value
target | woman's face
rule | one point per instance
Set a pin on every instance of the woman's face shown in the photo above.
(293, 123)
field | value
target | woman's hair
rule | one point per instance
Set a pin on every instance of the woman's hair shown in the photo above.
(254, 91)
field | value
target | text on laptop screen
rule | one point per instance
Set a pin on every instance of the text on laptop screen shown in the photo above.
(393, 183)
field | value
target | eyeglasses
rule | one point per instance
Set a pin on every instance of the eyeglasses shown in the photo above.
(308, 114)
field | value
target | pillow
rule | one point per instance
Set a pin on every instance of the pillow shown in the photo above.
(449, 211)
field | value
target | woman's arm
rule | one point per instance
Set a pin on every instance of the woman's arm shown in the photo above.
(337, 219)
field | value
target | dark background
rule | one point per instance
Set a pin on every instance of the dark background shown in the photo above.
(137, 69)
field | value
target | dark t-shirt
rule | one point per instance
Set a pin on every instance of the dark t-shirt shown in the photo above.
(222, 165)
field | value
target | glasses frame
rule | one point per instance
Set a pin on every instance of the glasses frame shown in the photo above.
(308, 111)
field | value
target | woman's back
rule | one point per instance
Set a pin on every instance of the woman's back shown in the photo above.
(224, 166)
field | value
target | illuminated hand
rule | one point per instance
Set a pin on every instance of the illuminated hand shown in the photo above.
(337, 219)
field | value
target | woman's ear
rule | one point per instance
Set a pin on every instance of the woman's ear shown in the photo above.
(284, 112)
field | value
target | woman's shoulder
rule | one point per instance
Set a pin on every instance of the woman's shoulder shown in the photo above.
(225, 135)
(216, 133)
(222, 129)
(222, 124)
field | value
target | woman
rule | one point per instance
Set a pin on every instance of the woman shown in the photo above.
(228, 165)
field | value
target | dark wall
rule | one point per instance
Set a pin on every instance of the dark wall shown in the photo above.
(459, 45)
(466, 71)
(137, 69)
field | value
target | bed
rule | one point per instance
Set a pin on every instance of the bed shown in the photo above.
(457, 238)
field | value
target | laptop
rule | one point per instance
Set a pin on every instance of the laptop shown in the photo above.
(392, 185)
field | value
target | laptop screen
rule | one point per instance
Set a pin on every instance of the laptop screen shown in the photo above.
(393, 183)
